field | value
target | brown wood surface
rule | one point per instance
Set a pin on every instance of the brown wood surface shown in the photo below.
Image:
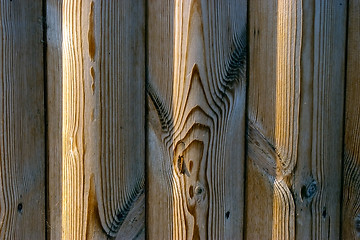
(351, 174)
(196, 124)
(96, 72)
(295, 117)
(22, 122)
(200, 184)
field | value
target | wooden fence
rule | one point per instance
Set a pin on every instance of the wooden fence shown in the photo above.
(180, 119)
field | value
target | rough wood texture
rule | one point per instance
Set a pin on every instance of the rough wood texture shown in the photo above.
(196, 89)
(101, 67)
(295, 116)
(351, 174)
(22, 137)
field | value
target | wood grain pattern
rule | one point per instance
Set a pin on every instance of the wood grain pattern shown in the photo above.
(289, 30)
(73, 202)
(351, 174)
(295, 115)
(196, 119)
(122, 87)
(102, 160)
(277, 159)
(22, 125)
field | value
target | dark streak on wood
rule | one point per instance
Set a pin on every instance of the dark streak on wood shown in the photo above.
(164, 114)
(235, 69)
(126, 208)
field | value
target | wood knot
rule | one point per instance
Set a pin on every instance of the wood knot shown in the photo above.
(199, 192)
(309, 191)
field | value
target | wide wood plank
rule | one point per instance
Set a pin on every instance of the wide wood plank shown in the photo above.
(196, 95)
(317, 181)
(22, 122)
(99, 173)
(351, 174)
(295, 111)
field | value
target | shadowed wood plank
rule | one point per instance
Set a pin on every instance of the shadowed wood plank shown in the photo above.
(196, 90)
(54, 116)
(120, 180)
(351, 174)
(22, 125)
(295, 114)
(317, 178)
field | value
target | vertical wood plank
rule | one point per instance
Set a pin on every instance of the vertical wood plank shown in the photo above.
(120, 178)
(160, 40)
(351, 174)
(295, 119)
(54, 116)
(74, 198)
(101, 66)
(261, 170)
(22, 125)
(196, 89)
(317, 180)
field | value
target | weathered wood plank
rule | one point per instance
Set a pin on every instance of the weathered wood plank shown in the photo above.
(351, 174)
(54, 116)
(22, 122)
(103, 117)
(295, 110)
(196, 89)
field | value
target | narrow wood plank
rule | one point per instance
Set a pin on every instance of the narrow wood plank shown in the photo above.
(351, 174)
(74, 198)
(22, 125)
(196, 89)
(295, 119)
(261, 120)
(101, 67)
(54, 116)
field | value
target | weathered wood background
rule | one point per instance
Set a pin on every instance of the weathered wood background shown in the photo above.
(180, 119)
